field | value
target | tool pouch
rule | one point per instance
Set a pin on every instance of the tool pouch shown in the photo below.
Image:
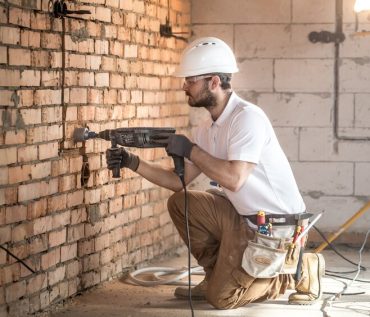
(267, 257)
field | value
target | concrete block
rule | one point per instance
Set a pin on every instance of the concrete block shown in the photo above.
(224, 32)
(313, 11)
(337, 210)
(355, 46)
(304, 75)
(362, 178)
(354, 75)
(346, 110)
(279, 41)
(297, 110)
(289, 141)
(241, 11)
(362, 110)
(319, 144)
(326, 177)
(254, 75)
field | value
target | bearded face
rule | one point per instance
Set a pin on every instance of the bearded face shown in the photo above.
(201, 98)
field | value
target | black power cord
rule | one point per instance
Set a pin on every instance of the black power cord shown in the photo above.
(188, 242)
(338, 253)
(18, 259)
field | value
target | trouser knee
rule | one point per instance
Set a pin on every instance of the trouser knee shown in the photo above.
(175, 202)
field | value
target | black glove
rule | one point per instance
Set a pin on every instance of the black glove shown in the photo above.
(119, 157)
(179, 145)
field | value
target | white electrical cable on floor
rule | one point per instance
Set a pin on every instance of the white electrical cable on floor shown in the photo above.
(176, 275)
(329, 301)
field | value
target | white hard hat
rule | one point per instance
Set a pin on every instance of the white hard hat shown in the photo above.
(204, 56)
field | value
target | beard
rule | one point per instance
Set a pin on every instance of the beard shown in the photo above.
(204, 99)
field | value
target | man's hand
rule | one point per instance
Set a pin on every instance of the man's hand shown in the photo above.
(119, 157)
(179, 145)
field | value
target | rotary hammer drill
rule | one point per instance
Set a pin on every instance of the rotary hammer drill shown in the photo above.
(133, 137)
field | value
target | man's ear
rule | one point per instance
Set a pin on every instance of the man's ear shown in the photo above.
(215, 82)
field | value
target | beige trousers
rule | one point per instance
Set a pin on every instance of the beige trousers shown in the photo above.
(219, 236)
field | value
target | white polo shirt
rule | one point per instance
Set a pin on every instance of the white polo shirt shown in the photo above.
(244, 133)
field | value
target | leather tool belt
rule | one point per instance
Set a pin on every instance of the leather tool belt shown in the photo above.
(281, 219)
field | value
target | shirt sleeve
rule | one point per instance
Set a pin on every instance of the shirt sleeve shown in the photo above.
(248, 135)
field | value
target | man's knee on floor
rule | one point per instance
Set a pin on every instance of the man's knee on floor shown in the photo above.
(220, 302)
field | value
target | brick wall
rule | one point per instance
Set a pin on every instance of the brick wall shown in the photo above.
(115, 70)
(292, 79)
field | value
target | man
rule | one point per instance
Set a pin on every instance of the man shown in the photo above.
(238, 149)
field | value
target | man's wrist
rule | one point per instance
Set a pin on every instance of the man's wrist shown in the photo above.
(133, 162)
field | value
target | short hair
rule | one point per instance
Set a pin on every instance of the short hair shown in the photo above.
(225, 79)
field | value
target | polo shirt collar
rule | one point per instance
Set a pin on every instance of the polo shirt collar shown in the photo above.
(230, 106)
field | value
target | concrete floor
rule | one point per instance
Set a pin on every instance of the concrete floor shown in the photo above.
(119, 298)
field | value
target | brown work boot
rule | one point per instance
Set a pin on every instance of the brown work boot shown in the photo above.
(197, 292)
(309, 288)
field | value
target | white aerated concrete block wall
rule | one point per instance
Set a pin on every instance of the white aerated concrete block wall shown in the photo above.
(292, 79)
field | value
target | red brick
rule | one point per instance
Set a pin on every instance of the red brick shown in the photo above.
(47, 97)
(50, 78)
(80, 215)
(8, 195)
(10, 77)
(50, 258)
(56, 275)
(57, 237)
(78, 95)
(4, 179)
(60, 166)
(61, 219)
(48, 150)
(86, 79)
(19, 174)
(30, 38)
(5, 234)
(30, 191)
(22, 231)
(51, 114)
(75, 164)
(41, 170)
(40, 21)
(19, 57)
(68, 252)
(15, 291)
(92, 196)
(8, 156)
(66, 183)
(16, 214)
(38, 244)
(75, 233)
(75, 198)
(36, 283)
(27, 153)
(42, 225)
(56, 203)
(93, 62)
(36, 209)
(30, 78)
(15, 137)
(40, 59)
(102, 80)
(51, 40)
(9, 35)
(73, 269)
(31, 116)
(55, 59)
(3, 55)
